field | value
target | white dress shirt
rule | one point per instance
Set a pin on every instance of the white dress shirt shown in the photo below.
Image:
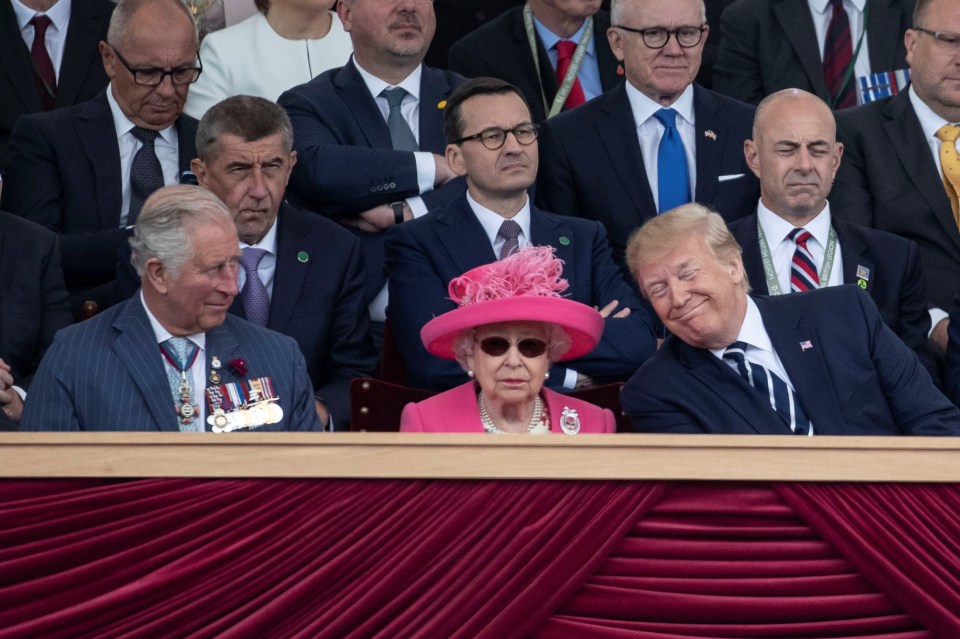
(649, 132)
(822, 11)
(775, 229)
(165, 146)
(56, 35)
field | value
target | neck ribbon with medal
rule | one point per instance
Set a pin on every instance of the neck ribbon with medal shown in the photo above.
(185, 408)
(237, 405)
(770, 273)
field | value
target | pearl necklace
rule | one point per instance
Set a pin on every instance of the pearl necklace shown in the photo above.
(535, 422)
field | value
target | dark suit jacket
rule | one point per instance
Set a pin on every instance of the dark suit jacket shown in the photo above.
(895, 282)
(768, 45)
(33, 300)
(318, 301)
(345, 161)
(590, 163)
(425, 254)
(81, 71)
(64, 174)
(500, 49)
(889, 181)
(457, 18)
(952, 374)
(107, 374)
(854, 377)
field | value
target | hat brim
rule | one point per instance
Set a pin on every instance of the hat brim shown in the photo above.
(582, 324)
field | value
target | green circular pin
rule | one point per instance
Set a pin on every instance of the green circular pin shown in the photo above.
(565, 240)
(303, 257)
(862, 284)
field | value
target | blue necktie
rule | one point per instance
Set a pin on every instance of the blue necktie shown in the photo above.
(401, 137)
(673, 179)
(782, 398)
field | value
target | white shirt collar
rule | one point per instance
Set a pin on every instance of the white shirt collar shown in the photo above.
(122, 124)
(411, 84)
(269, 241)
(775, 228)
(59, 14)
(930, 122)
(643, 107)
(821, 6)
(550, 39)
(752, 331)
(162, 334)
(491, 221)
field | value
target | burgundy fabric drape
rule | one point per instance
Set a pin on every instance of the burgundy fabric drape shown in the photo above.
(301, 558)
(406, 558)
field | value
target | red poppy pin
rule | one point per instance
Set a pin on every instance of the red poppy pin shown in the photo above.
(239, 367)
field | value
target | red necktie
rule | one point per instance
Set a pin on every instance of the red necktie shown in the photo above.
(46, 77)
(837, 56)
(565, 49)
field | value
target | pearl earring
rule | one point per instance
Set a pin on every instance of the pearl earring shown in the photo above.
(547, 375)
(470, 374)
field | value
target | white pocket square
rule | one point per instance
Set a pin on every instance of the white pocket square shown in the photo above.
(727, 178)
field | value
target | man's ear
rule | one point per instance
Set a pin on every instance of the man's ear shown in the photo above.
(156, 274)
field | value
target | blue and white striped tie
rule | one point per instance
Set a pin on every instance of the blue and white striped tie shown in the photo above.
(782, 398)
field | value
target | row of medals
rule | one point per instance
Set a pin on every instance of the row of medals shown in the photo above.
(246, 416)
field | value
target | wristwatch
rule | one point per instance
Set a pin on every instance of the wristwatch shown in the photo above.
(397, 211)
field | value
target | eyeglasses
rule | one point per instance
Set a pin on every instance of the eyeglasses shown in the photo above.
(657, 37)
(153, 76)
(949, 40)
(529, 347)
(495, 137)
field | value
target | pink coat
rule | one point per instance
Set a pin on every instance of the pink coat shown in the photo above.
(456, 411)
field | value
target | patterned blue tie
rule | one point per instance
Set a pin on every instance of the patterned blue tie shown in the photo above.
(256, 299)
(673, 177)
(180, 347)
(782, 398)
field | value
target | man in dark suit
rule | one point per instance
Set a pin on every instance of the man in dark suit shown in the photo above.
(503, 49)
(603, 161)
(80, 171)
(891, 177)
(424, 255)
(369, 160)
(34, 307)
(769, 45)
(75, 30)
(172, 358)
(457, 18)
(795, 153)
(309, 269)
(820, 362)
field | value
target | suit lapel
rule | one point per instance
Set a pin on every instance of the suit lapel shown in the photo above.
(797, 23)
(434, 90)
(618, 132)
(709, 146)
(798, 346)
(854, 256)
(551, 231)
(186, 141)
(906, 136)
(884, 35)
(136, 347)
(290, 272)
(458, 230)
(80, 52)
(362, 106)
(749, 242)
(16, 60)
(97, 133)
(718, 378)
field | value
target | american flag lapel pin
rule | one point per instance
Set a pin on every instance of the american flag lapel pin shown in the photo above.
(806, 345)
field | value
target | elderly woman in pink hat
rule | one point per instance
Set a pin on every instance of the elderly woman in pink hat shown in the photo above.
(511, 324)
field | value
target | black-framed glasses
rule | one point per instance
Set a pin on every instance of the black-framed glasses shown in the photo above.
(495, 137)
(657, 37)
(153, 76)
(946, 38)
(529, 347)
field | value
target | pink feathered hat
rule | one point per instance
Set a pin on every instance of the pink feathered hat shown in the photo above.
(523, 287)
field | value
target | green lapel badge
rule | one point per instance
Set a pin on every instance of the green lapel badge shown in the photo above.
(565, 240)
(303, 257)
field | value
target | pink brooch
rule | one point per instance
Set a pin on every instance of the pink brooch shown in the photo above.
(238, 366)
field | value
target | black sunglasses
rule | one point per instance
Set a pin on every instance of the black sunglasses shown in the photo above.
(529, 347)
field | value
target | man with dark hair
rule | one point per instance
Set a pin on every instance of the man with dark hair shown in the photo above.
(654, 142)
(85, 171)
(369, 135)
(899, 173)
(492, 142)
(555, 51)
(172, 358)
(818, 363)
(57, 70)
(302, 274)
